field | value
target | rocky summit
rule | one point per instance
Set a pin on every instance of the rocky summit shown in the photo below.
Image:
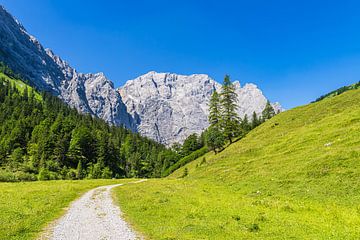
(169, 107)
(165, 107)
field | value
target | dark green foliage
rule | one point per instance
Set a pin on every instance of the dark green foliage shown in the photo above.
(186, 172)
(255, 121)
(49, 140)
(268, 111)
(245, 126)
(185, 160)
(7, 71)
(229, 116)
(203, 161)
(215, 139)
(191, 144)
(253, 227)
(214, 109)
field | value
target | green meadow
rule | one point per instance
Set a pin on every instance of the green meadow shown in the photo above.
(27, 207)
(297, 176)
(20, 85)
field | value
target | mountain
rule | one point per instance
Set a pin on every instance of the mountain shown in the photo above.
(169, 107)
(42, 138)
(89, 93)
(339, 91)
(296, 176)
(162, 106)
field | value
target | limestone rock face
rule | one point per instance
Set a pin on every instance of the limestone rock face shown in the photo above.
(89, 93)
(168, 107)
(165, 107)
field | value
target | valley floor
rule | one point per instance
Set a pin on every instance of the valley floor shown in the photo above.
(197, 209)
(26, 208)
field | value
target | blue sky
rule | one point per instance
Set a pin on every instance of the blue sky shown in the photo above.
(293, 50)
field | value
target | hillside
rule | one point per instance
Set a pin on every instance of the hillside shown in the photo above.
(295, 176)
(339, 91)
(42, 138)
(165, 107)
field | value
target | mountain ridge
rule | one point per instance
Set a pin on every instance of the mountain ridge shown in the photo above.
(95, 94)
(169, 107)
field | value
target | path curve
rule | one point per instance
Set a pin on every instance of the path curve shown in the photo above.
(93, 216)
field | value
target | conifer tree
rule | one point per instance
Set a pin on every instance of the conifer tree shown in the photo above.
(79, 170)
(214, 139)
(215, 110)
(268, 111)
(230, 118)
(255, 120)
(245, 125)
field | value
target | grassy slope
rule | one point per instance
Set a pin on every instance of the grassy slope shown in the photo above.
(20, 85)
(26, 207)
(295, 177)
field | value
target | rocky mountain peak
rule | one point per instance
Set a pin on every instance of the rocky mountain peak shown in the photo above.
(166, 107)
(89, 93)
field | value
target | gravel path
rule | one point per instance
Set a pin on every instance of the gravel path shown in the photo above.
(93, 217)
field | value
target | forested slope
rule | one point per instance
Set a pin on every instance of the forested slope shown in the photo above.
(43, 138)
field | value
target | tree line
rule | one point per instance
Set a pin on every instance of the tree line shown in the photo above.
(225, 124)
(46, 139)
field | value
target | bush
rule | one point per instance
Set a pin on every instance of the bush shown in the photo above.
(186, 172)
(45, 174)
(71, 174)
(106, 173)
(8, 176)
(185, 160)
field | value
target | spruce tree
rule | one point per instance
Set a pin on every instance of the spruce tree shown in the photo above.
(230, 118)
(255, 120)
(215, 110)
(268, 111)
(245, 125)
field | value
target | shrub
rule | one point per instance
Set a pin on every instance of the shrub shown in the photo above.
(185, 160)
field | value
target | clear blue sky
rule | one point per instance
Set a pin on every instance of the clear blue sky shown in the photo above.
(293, 50)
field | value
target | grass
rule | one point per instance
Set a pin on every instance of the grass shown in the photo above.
(185, 160)
(297, 176)
(20, 85)
(27, 207)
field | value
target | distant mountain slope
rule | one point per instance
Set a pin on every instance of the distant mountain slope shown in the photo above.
(339, 91)
(165, 107)
(296, 176)
(89, 93)
(168, 107)
(42, 138)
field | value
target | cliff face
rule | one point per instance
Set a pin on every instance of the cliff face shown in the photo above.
(168, 107)
(162, 106)
(89, 93)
